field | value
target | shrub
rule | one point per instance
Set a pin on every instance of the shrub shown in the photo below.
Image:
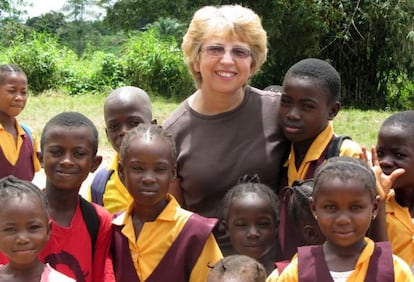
(155, 63)
(38, 58)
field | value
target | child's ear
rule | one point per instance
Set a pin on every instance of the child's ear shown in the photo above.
(121, 172)
(334, 109)
(309, 234)
(40, 157)
(376, 208)
(225, 225)
(174, 174)
(312, 205)
(49, 229)
(97, 160)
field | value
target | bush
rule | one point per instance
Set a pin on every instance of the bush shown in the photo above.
(38, 59)
(155, 64)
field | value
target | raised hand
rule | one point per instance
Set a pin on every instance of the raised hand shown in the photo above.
(384, 182)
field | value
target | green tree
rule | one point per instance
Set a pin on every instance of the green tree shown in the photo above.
(49, 23)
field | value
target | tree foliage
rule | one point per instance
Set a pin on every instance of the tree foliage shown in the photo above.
(369, 42)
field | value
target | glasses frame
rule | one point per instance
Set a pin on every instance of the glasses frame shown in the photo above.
(218, 51)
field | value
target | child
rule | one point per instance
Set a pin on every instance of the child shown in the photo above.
(81, 232)
(238, 268)
(309, 103)
(165, 242)
(395, 150)
(251, 218)
(18, 145)
(310, 94)
(124, 108)
(344, 202)
(24, 231)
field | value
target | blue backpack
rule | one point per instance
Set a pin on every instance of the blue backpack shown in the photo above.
(98, 185)
(27, 130)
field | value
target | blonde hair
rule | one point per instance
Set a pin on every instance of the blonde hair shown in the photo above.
(227, 21)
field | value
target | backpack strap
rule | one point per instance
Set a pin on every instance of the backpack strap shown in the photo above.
(26, 130)
(90, 216)
(98, 185)
(334, 147)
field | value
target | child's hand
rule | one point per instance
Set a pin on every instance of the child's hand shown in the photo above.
(384, 182)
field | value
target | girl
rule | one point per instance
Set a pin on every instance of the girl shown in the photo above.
(344, 202)
(18, 145)
(250, 218)
(24, 231)
(159, 229)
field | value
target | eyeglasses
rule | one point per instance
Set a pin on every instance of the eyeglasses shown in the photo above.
(219, 51)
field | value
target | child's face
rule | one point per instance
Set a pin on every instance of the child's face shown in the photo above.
(67, 156)
(251, 225)
(395, 148)
(344, 211)
(123, 115)
(305, 109)
(147, 170)
(13, 94)
(24, 229)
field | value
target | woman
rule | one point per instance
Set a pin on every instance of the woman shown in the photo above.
(226, 129)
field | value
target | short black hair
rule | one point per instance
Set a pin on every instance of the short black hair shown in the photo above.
(321, 73)
(71, 120)
(346, 169)
(13, 187)
(6, 69)
(150, 130)
(404, 119)
(251, 184)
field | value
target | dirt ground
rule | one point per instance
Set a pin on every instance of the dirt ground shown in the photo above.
(106, 153)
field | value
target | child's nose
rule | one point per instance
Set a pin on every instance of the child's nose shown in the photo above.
(148, 177)
(343, 218)
(22, 238)
(293, 113)
(252, 232)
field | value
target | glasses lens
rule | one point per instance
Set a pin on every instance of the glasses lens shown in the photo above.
(240, 52)
(215, 51)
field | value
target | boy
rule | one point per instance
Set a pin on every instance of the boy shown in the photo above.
(309, 103)
(395, 151)
(124, 108)
(81, 232)
(18, 145)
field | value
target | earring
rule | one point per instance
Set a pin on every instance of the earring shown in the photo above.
(374, 216)
(316, 217)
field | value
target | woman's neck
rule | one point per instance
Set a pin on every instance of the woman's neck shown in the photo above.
(207, 103)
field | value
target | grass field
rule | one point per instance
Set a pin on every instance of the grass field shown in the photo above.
(362, 126)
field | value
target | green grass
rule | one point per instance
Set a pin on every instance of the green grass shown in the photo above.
(39, 109)
(362, 126)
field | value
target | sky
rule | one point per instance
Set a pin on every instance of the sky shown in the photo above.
(40, 7)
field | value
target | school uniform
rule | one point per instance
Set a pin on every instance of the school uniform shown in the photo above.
(348, 148)
(116, 197)
(149, 254)
(400, 229)
(18, 158)
(316, 266)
